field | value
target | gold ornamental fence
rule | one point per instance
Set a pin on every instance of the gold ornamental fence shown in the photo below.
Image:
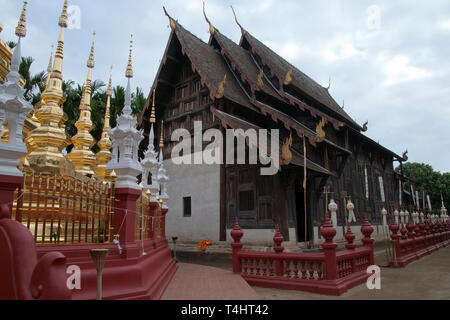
(60, 209)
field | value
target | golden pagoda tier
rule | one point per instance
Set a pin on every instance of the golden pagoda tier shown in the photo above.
(82, 156)
(104, 155)
(5, 59)
(50, 137)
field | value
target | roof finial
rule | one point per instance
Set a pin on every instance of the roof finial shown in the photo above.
(161, 143)
(21, 29)
(91, 62)
(237, 22)
(288, 79)
(260, 82)
(211, 28)
(1, 27)
(343, 104)
(153, 115)
(329, 84)
(63, 19)
(221, 88)
(129, 72)
(109, 90)
(172, 22)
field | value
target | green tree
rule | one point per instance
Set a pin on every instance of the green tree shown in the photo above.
(433, 182)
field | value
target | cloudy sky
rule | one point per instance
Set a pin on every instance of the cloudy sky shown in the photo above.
(388, 60)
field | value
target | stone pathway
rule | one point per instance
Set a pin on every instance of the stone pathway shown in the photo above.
(197, 282)
(425, 279)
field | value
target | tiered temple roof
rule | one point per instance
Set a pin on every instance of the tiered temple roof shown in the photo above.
(254, 76)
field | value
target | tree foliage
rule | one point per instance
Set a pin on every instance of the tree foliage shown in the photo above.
(433, 182)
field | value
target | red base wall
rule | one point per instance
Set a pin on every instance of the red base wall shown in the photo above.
(130, 276)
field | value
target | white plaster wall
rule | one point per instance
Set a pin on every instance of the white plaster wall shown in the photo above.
(202, 184)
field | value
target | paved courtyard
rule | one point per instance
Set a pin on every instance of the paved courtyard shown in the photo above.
(428, 278)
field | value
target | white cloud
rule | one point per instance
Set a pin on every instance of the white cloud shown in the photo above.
(445, 24)
(398, 70)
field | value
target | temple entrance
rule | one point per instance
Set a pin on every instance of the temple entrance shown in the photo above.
(300, 213)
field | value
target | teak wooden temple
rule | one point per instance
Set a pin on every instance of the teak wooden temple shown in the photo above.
(58, 211)
(248, 86)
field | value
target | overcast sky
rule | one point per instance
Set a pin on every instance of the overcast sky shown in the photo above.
(389, 60)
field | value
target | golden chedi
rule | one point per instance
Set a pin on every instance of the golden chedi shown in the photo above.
(104, 155)
(82, 157)
(50, 137)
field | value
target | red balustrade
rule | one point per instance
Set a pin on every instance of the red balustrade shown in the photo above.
(329, 272)
(417, 240)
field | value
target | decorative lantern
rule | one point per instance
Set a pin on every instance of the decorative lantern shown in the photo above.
(333, 207)
(351, 212)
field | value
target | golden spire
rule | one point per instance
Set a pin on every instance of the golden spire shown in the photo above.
(211, 28)
(109, 90)
(63, 19)
(104, 156)
(21, 29)
(82, 156)
(50, 62)
(129, 72)
(237, 22)
(161, 143)
(50, 137)
(91, 62)
(153, 115)
(171, 21)
(1, 27)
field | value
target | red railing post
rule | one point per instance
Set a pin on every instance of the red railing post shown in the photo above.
(367, 230)
(328, 232)
(350, 238)
(237, 245)
(278, 248)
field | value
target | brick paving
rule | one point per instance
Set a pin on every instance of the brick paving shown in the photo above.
(424, 279)
(198, 282)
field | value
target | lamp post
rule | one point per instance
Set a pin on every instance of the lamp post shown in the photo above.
(99, 257)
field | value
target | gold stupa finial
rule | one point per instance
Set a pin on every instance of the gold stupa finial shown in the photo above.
(237, 22)
(21, 29)
(109, 90)
(50, 62)
(153, 115)
(1, 27)
(171, 21)
(91, 62)
(129, 72)
(63, 19)
(211, 28)
(161, 142)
